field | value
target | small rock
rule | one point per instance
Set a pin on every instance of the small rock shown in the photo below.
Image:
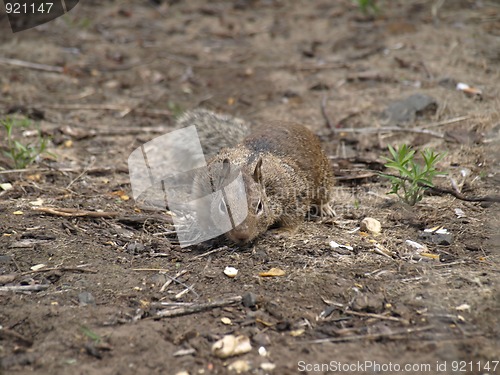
(437, 237)
(158, 279)
(6, 186)
(370, 303)
(86, 298)
(239, 366)
(267, 366)
(343, 249)
(463, 307)
(261, 339)
(230, 272)
(5, 279)
(371, 225)
(407, 110)
(135, 248)
(249, 300)
(231, 345)
(297, 332)
(37, 267)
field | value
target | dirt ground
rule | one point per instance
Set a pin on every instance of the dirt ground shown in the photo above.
(116, 76)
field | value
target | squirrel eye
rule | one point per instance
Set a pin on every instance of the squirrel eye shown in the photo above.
(260, 207)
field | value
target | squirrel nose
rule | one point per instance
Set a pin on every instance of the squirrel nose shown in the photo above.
(240, 235)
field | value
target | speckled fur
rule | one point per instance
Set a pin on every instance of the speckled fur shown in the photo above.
(216, 131)
(295, 176)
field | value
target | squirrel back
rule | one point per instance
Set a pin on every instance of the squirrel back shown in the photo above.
(215, 131)
(284, 170)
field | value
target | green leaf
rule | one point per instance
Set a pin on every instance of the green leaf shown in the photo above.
(90, 334)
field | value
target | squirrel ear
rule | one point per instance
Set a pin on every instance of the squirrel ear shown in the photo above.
(257, 173)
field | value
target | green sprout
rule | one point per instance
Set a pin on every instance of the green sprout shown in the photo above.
(21, 154)
(367, 6)
(90, 334)
(412, 179)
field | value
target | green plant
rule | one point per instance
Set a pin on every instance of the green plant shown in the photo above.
(175, 108)
(412, 179)
(367, 6)
(22, 154)
(90, 334)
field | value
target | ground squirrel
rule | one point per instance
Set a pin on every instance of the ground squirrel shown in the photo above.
(285, 173)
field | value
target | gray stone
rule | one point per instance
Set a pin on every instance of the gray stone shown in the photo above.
(437, 238)
(86, 298)
(407, 110)
(249, 300)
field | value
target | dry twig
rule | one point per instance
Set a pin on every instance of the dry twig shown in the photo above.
(123, 109)
(171, 280)
(446, 122)
(30, 65)
(328, 122)
(389, 129)
(73, 212)
(376, 316)
(24, 288)
(67, 269)
(168, 313)
(95, 170)
(209, 252)
(373, 336)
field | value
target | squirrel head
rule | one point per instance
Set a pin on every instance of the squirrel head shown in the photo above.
(238, 206)
(257, 218)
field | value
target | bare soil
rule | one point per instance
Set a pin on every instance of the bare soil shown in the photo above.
(128, 68)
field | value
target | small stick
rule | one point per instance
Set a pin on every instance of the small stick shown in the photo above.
(328, 122)
(111, 107)
(69, 269)
(209, 252)
(182, 352)
(370, 336)
(30, 65)
(389, 129)
(71, 212)
(198, 308)
(381, 251)
(170, 281)
(24, 288)
(449, 264)
(188, 288)
(91, 164)
(446, 122)
(75, 170)
(377, 316)
(185, 291)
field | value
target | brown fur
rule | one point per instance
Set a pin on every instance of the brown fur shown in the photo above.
(285, 173)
